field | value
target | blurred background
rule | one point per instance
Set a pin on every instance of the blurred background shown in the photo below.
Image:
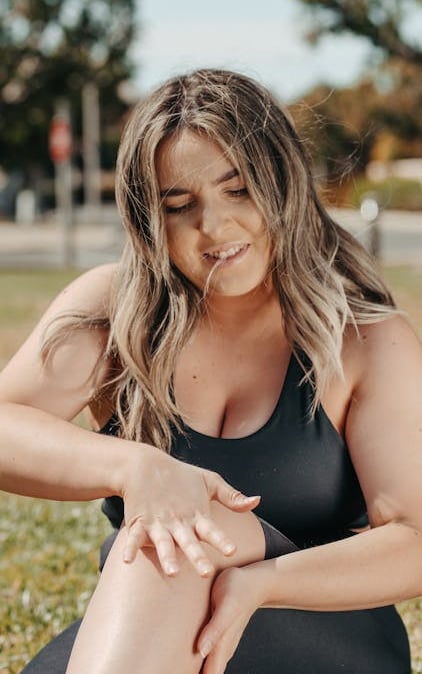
(70, 71)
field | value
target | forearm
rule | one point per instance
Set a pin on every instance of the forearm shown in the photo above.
(44, 456)
(374, 568)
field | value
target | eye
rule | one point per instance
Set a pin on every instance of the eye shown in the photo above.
(176, 210)
(241, 192)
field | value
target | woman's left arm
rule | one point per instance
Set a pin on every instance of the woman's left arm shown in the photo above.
(380, 566)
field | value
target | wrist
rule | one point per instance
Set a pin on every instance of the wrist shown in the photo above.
(131, 461)
(263, 581)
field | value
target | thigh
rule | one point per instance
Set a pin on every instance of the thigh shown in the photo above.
(370, 641)
(140, 620)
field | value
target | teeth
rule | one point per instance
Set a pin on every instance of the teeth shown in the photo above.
(224, 254)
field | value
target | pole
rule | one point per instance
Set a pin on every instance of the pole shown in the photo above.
(63, 190)
(370, 212)
(375, 240)
(91, 152)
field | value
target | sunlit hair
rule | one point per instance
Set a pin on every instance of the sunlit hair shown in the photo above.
(323, 276)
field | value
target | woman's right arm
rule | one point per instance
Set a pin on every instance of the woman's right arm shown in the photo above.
(43, 454)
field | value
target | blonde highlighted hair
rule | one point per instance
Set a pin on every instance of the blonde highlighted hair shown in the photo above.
(324, 278)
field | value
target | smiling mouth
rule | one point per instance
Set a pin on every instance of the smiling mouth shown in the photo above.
(228, 254)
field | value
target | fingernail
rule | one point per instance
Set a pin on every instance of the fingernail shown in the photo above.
(228, 548)
(243, 499)
(206, 648)
(171, 568)
(205, 569)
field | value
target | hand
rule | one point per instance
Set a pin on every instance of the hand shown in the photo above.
(233, 602)
(167, 502)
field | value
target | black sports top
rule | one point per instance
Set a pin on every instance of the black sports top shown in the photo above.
(299, 465)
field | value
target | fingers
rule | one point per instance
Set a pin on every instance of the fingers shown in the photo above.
(216, 662)
(219, 640)
(220, 621)
(210, 533)
(166, 550)
(223, 492)
(185, 537)
(163, 539)
(188, 537)
(136, 538)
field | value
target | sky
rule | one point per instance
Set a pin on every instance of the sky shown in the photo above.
(261, 38)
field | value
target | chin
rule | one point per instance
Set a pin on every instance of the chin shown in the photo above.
(236, 289)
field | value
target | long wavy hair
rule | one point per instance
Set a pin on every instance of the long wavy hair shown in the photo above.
(324, 278)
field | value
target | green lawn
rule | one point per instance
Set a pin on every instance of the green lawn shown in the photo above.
(49, 550)
(48, 568)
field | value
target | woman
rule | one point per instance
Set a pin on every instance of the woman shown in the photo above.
(243, 335)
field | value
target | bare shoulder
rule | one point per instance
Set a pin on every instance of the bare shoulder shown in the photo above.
(88, 293)
(389, 333)
(386, 349)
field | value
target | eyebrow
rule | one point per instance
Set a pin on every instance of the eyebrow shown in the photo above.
(180, 191)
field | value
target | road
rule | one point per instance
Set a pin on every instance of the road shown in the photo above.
(401, 234)
(39, 245)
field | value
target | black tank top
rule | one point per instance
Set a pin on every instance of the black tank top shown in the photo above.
(298, 464)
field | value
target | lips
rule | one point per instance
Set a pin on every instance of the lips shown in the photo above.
(226, 251)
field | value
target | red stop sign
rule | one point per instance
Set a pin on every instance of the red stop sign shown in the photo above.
(60, 139)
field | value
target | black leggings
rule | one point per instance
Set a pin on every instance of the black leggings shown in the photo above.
(276, 543)
(371, 641)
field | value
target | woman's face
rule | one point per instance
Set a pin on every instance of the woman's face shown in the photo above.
(211, 221)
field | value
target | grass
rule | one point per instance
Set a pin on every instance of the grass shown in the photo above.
(406, 283)
(48, 569)
(24, 295)
(49, 550)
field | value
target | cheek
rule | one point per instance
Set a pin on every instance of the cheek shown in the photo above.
(265, 240)
(173, 244)
(180, 250)
(260, 228)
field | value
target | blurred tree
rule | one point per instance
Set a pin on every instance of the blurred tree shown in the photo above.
(49, 49)
(383, 22)
(338, 127)
(380, 116)
(335, 123)
(399, 107)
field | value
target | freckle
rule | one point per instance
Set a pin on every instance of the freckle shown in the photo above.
(195, 377)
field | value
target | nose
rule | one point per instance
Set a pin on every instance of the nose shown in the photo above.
(214, 219)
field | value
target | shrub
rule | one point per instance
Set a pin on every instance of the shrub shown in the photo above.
(395, 193)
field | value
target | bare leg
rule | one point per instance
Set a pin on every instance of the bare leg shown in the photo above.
(140, 621)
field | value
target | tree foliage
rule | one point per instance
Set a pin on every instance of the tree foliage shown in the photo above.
(379, 117)
(400, 102)
(383, 22)
(48, 50)
(336, 124)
